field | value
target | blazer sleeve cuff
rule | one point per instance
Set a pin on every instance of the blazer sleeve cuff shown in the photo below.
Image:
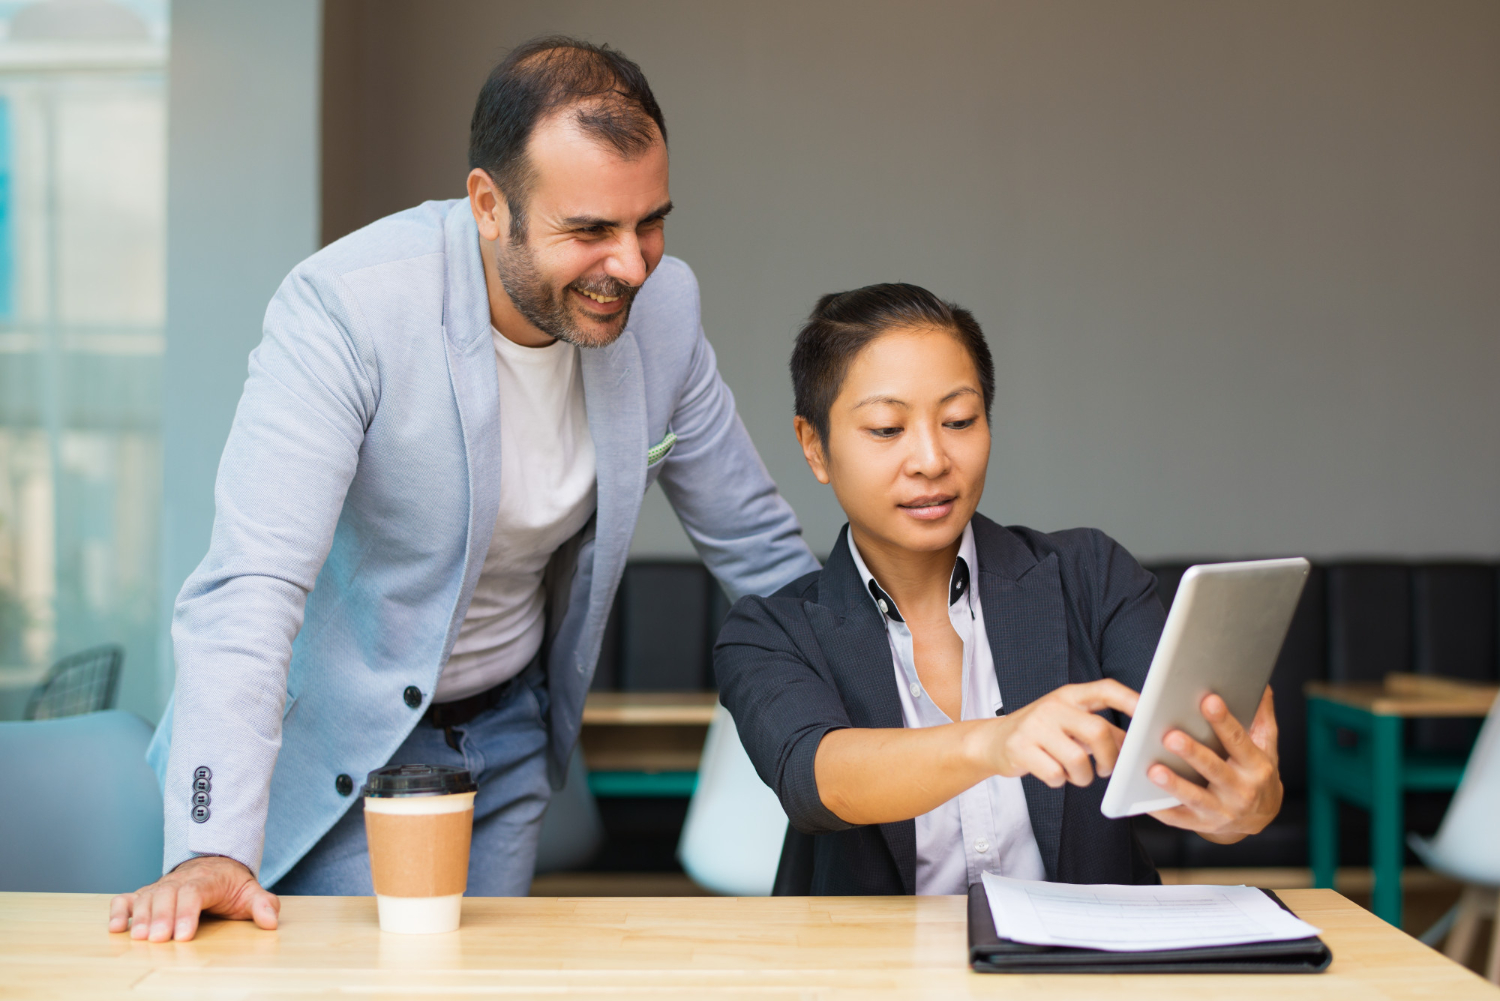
(804, 807)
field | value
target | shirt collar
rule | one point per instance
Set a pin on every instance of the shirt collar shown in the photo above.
(959, 584)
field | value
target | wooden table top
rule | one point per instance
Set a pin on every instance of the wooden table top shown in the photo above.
(1411, 695)
(805, 948)
(649, 708)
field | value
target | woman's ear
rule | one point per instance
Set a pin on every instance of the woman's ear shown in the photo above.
(812, 447)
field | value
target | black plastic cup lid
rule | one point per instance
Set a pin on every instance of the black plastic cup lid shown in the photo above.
(418, 780)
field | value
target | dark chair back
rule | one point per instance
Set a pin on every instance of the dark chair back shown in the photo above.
(662, 629)
(1454, 620)
(1369, 620)
(1453, 636)
(82, 683)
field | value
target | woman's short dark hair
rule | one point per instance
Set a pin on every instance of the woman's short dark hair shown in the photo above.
(842, 323)
(616, 107)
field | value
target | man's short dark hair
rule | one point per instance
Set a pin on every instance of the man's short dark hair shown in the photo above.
(613, 101)
(842, 323)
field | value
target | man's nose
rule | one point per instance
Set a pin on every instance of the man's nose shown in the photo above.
(626, 261)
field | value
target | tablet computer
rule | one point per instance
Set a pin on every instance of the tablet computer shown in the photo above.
(1223, 635)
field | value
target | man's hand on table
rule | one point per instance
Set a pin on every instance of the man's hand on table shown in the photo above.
(1244, 789)
(169, 907)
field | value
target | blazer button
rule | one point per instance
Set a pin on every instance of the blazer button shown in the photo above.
(412, 695)
(202, 785)
(200, 814)
(344, 784)
(202, 772)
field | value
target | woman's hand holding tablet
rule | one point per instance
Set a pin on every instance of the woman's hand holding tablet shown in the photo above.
(1244, 791)
(1187, 760)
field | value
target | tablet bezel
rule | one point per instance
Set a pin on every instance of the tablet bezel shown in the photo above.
(1223, 634)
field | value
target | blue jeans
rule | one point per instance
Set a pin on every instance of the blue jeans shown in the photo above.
(505, 750)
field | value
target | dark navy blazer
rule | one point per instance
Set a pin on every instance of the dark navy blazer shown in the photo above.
(1059, 608)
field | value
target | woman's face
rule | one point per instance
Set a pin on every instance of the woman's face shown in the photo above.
(908, 443)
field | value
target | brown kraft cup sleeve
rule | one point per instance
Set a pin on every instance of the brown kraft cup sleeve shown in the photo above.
(419, 855)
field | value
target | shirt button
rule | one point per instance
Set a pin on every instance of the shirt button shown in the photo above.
(916, 690)
(412, 696)
(981, 846)
(884, 608)
(344, 784)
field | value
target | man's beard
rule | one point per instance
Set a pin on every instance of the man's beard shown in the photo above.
(550, 310)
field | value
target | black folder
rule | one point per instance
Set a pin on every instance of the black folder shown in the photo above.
(989, 953)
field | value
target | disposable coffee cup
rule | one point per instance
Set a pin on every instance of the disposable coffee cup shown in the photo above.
(418, 821)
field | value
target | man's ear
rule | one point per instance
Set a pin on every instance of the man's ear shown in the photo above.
(812, 447)
(487, 202)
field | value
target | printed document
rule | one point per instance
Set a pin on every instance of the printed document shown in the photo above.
(1137, 918)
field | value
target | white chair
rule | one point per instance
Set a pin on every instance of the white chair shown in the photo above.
(1466, 848)
(731, 839)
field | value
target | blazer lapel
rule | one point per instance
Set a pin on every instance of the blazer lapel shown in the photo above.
(614, 391)
(852, 636)
(476, 391)
(1025, 620)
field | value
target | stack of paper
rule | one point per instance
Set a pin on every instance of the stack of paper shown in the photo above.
(1137, 918)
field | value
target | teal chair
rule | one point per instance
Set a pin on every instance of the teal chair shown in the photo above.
(80, 810)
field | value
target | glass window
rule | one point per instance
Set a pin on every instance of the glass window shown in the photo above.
(82, 297)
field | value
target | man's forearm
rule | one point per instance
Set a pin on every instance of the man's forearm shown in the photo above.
(875, 776)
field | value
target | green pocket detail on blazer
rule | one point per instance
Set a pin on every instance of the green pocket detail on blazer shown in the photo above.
(659, 451)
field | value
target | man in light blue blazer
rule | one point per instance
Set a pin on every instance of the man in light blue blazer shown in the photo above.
(426, 501)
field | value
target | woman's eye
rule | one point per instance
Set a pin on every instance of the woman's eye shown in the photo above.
(885, 432)
(960, 425)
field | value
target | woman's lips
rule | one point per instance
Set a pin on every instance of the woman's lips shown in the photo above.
(929, 508)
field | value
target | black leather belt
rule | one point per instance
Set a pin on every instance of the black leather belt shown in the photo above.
(445, 715)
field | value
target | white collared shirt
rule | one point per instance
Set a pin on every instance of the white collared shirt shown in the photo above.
(986, 828)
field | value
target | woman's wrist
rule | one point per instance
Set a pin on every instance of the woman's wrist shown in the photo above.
(982, 746)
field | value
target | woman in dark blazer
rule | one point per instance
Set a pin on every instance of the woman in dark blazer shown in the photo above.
(940, 698)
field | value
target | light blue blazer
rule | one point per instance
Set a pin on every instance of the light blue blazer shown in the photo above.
(355, 501)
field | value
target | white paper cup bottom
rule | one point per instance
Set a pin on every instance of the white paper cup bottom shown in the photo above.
(419, 915)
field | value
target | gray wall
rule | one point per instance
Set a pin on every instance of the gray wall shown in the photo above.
(1237, 260)
(242, 209)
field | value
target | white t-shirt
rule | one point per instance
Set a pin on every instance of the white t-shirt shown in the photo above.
(986, 828)
(547, 493)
